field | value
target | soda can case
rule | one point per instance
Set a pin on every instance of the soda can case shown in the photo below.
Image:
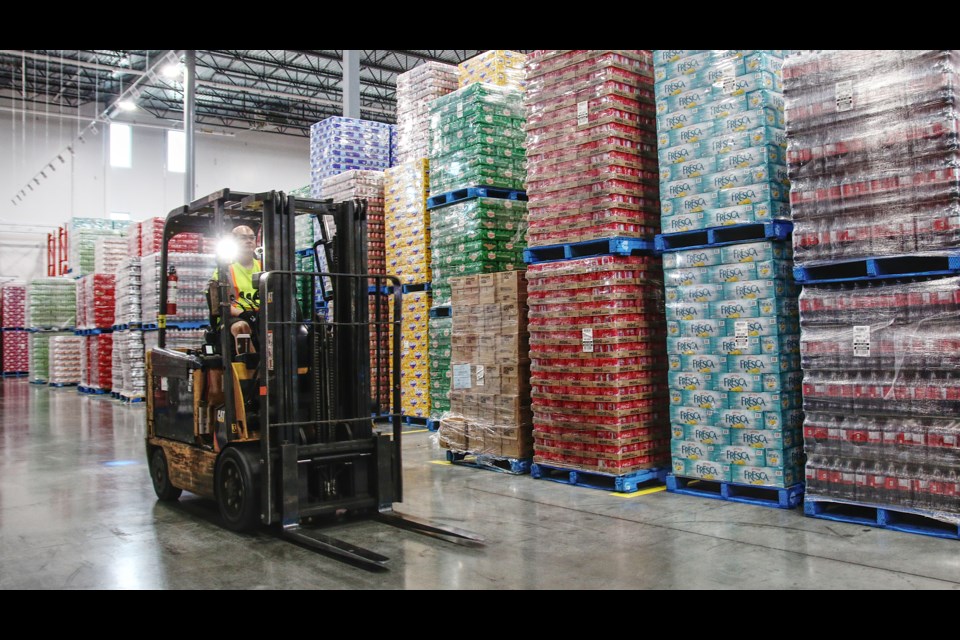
(705, 363)
(692, 450)
(713, 436)
(749, 308)
(339, 144)
(13, 299)
(693, 258)
(752, 383)
(693, 416)
(748, 214)
(695, 328)
(762, 364)
(869, 131)
(761, 400)
(690, 381)
(765, 476)
(694, 293)
(747, 419)
(736, 455)
(766, 438)
(701, 398)
(703, 469)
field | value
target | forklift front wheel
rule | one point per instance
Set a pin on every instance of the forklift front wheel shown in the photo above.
(160, 474)
(237, 490)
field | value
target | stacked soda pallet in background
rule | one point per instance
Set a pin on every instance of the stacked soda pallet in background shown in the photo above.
(597, 364)
(490, 395)
(340, 144)
(66, 355)
(96, 362)
(39, 350)
(477, 139)
(733, 343)
(497, 66)
(194, 271)
(721, 141)
(83, 235)
(127, 303)
(177, 339)
(591, 146)
(872, 145)
(129, 346)
(873, 153)
(51, 303)
(96, 301)
(116, 365)
(416, 89)
(15, 354)
(109, 252)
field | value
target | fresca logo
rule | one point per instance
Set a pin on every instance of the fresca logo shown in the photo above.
(721, 144)
(713, 75)
(688, 381)
(737, 456)
(740, 160)
(751, 364)
(705, 400)
(703, 363)
(735, 420)
(689, 416)
(700, 295)
(688, 66)
(739, 123)
(677, 155)
(728, 216)
(678, 189)
(754, 327)
(725, 182)
(753, 439)
(693, 169)
(681, 224)
(667, 55)
(694, 205)
(705, 435)
(702, 328)
(674, 87)
(677, 121)
(691, 135)
(752, 402)
(749, 253)
(731, 383)
(729, 345)
(748, 291)
(731, 310)
(691, 451)
(730, 273)
(698, 257)
(744, 196)
(688, 313)
(757, 477)
(691, 100)
(717, 110)
(705, 470)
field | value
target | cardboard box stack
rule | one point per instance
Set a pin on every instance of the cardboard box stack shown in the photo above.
(591, 146)
(598, 369)
(340, 144)
(416, 89)
(490, 395)
(15, 357)
(497, 66)
(39, 353)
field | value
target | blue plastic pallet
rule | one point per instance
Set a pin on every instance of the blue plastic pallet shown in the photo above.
(91, 332)
(92, 391)
(14, 374)
(513, 466)
(441, 312)
(433, 424)
(305, 252)
(148, 326)
(879, 269)
(130, 399)
(199, 324)
(114, 395)
(627, 483)
(386, 291)
(412, 288)
(417, 420)
(38, 381)
(63, 384)
(893, 518)
(720, 236)
(586, 249)
(459, 195)
(49, 329)
(781, 498)
(12, 329)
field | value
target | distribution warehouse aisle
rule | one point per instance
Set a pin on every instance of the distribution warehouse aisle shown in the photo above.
(77, 511)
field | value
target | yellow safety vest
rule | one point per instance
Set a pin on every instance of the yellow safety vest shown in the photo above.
(242, 279)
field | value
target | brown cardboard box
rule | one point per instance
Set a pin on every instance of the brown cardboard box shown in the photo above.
(470, 406)
(512, 347)
(456, 402)
(515, 379)
(487, 349)
(511, 285)
(513, 317)
(453, 434)
(510, 448)
(487, 416)
(519, 416)
(488, 288)
(491, 376)
(460, 296)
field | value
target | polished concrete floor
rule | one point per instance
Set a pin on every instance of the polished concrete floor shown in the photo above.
(77, 511)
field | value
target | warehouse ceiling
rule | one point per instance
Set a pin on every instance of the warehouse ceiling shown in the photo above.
(276, 91)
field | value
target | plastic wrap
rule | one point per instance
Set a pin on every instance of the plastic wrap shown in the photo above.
(13, 299)
(83, 235)
(732, 345)
(490, 393)
(598, 372)
(440, 335)
(127, 292)
(116, 364)
(483, 235)
(108, 253)
(873, 153)
(128, 345)
(369, 186)
(497, 66)
(133, 240)
(407, 222)
(40, 354)
(340, 144)
(416, 89)
(96, 302)
(96, 361)
(66, 356)
(52, 303)
(591, 146)
(15, 351)
(194, 271)
(477, 139)
(721, 140)
(415, 355)
(177, 339)
(881, 388)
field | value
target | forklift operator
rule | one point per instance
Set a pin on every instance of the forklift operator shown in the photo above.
(243, 296)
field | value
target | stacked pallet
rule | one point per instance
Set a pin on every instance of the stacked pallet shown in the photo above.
(66, 360)
(15, 355)
(416, 89)
(194, 272)
(497, 66)
(84, 233)
(340, 144)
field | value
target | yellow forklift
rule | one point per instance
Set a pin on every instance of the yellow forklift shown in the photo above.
(284, 433)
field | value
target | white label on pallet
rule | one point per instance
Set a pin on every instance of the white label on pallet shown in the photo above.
(164, 384)
(582, 118)
(861, 341)
(742, 333)
(587, 340)
(729, 84)
(844, 93)
(461, 376)
(480, 375)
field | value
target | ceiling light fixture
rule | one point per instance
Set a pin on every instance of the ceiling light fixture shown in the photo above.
(171, 70)
(127, 105)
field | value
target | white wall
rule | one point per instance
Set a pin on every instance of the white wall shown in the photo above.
(86, 186)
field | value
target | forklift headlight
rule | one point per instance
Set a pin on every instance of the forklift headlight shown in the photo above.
(227, 249)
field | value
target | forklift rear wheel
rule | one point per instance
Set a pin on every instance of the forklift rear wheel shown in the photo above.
(160, 474)
(237, 490)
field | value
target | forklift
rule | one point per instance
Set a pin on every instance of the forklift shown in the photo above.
(284, 432)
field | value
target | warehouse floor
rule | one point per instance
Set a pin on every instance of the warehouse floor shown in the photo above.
(77, 511)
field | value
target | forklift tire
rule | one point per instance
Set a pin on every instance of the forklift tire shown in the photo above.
(237, 490)
(160, 475)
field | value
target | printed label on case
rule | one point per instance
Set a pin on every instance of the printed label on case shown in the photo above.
(861, 341)
(587, 340)
(461, 376)
(844, 92)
